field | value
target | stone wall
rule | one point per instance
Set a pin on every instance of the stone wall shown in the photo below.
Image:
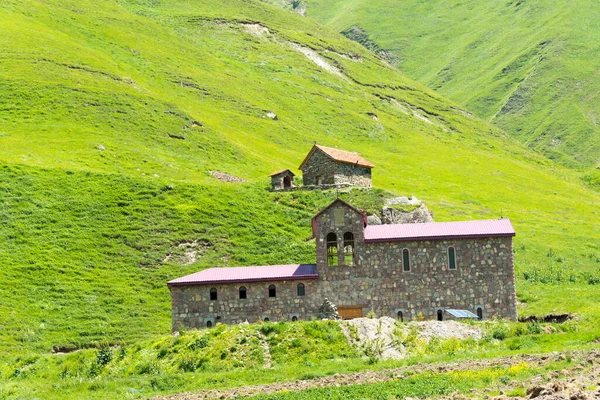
(192, 307)
(333, 172)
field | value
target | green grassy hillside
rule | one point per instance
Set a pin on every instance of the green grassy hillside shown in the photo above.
(530, 67)
(113, 114)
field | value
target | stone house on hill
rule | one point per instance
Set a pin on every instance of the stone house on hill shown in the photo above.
(283, 179)
(399, 270)
(328, 166)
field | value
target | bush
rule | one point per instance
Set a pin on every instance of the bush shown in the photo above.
(104, 356)
(199, 343)
(534, 328)
(500, 332)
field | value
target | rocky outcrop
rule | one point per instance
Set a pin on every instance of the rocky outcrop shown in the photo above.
(392, 215)
(373, 220)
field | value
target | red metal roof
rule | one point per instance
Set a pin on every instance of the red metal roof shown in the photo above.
(248, 274)
(439, 230)
(339, 155)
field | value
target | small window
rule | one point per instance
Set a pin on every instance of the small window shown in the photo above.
(300, 288)
(440, 315)
(332, 252)
(213, 294)
(209, 324)
(479, 313)
(242, 292)
(294, 318)
(451, 258)
(349, 248)
(272, 291)
(266, 319)
(400, 316)
(405, 260)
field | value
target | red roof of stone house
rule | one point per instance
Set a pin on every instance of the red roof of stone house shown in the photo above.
(339, 155)
(439, 230)
(248, 274)
(281, 172)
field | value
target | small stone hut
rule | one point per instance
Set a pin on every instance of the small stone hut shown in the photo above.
(397, 270)
(328, 166)
(283, 179)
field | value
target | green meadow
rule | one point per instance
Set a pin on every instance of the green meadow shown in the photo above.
(113, 114)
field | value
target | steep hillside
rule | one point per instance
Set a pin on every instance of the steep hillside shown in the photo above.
(531, 68)
(113, 114)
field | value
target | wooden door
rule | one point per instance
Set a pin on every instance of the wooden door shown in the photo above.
(349, 313)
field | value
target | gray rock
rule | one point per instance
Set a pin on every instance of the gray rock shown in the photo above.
(373, 220)
(419, 215)
(403, 200)
(101, 147)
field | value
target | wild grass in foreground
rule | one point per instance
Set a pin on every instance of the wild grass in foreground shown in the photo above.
(233, 356)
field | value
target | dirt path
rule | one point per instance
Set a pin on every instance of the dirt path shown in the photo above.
(580, 382)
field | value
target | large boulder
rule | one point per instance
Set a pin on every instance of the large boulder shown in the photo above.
(403, 200)
(393, 215)
(373, 220)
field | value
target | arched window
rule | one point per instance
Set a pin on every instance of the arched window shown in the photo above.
(209, 324)
(348, 248)
(266, 319)
(332, 252)
(272, 291)
(440, 315)
(243, 292)
(300, 289)
(451, 258)
(294, 318)
(405, 260)
(400, 316)
(479, 313)
(213, 294)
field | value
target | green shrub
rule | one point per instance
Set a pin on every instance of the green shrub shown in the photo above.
(500, 331)
(199, 343)
(534, 328)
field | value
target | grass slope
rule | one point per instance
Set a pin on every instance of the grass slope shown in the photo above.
(85, 227)
(114, 112)
(530, 67)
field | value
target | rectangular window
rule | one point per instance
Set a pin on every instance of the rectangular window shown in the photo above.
(405, 260)
(451, 258)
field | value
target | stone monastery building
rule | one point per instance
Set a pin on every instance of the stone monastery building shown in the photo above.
(397, 270)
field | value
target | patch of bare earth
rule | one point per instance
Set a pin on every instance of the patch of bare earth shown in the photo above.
(577, 383)
(187, 253)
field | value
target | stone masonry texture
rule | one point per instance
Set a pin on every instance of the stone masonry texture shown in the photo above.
(484, 278)
(333, 172)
